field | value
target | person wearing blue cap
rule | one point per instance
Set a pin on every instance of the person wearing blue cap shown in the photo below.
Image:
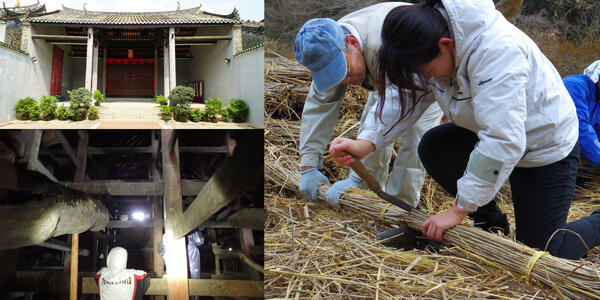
(585, 91)
(339, 54)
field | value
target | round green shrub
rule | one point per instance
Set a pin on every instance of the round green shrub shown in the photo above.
(93, 113)
(238, 110)
(162, 100)
(48, 107)
(63, 113)
(180, 99)
(166, 112)
(25, 107)
(198, 114)
(98, 97)
(79, 103)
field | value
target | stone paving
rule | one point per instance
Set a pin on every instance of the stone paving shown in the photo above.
(125, 115)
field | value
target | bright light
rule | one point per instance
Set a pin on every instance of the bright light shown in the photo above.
(139, 216)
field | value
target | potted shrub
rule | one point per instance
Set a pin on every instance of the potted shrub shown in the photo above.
(162, 100)
(166, 112)
(34, 112)
(24, 108)
(225, 115)
(238, 110)
(198, 114)
(214, 107)
(79, 103)
(48, 107)
(98, 97)
(182, 113)
(93, 113)
(180, 99)
(63, 113)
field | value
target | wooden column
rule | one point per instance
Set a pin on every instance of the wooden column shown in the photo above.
(104, 73)
(74, 266)
(89, 59)
(247, 243)
(95, 68)
(172, 71)
(81, 155)
(166, 67)
(176, 256)
(155, 71)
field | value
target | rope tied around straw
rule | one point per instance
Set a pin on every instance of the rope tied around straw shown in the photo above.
(382, 217)
(534, 258)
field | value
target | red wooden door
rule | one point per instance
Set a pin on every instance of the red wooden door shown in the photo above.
(57, 71)
(130, 80)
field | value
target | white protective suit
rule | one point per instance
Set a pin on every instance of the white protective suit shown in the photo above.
(504, 90)
(321, 111)
(116, 282)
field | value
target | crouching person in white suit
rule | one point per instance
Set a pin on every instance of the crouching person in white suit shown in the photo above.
(116, 282)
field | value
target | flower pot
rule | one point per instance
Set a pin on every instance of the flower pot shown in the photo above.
(93, 117)
(166, 117)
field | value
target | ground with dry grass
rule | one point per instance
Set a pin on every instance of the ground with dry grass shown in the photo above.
(315, 251)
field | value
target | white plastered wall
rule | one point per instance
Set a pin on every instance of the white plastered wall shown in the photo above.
(241, 77)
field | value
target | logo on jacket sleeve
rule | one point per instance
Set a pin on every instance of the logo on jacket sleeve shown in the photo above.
(484, 82)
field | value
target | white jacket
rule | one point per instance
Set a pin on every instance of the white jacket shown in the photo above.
(116, 282)
(504, 90)
(321, 109)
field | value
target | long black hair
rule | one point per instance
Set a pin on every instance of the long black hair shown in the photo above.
(410, 36)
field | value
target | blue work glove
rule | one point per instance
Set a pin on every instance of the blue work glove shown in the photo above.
(310, 180)
(339, 188)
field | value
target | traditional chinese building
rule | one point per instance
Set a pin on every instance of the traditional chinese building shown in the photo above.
(126, 55)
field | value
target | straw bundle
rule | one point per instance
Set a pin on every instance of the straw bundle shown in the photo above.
(286, 87)
(574, 279)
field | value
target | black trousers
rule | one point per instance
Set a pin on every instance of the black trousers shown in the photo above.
(541, 195)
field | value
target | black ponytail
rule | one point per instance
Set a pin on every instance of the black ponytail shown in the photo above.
(410, 36)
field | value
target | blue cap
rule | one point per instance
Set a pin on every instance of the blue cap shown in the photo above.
(319, 47)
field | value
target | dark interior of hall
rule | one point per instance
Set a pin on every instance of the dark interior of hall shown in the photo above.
(197, 193)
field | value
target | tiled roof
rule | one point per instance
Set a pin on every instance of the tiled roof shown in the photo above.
(7, 46)
(192, 16)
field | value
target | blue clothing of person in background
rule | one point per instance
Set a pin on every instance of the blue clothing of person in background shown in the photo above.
(584, 91)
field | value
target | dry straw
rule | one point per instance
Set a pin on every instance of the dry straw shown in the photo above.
(519, 268)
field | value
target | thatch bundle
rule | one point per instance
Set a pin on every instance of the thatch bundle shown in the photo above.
(315, 251)
(326, 242)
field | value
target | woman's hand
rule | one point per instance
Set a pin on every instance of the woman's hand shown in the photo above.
(436, 225)
(341, 148)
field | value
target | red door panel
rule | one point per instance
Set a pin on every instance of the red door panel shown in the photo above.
(57, 71)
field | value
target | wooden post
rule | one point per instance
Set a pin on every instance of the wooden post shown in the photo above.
(88, 59)
(172, 58)
(104, 71)
(74, 266)
(95, 251)
(155, 72)
(247, 243)
(176, 256)
(81, 155)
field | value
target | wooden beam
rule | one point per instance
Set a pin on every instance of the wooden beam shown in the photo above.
(198, 287)
(157, 233)
(200, 39)
(133, 188)
(81, 155)
(141, 150)
(62, 246)
(252, 218)
(63, 38)
(176, 257)
(238, 174)
(129, 224)
(74, 266)
(67, 147)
